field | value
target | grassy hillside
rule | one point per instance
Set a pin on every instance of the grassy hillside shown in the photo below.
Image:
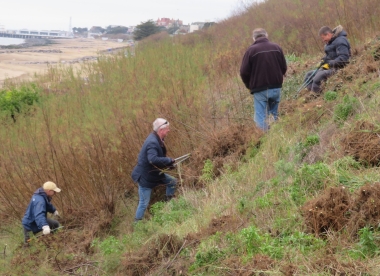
(299, 200)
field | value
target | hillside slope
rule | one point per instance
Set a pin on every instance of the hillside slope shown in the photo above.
(301, 199)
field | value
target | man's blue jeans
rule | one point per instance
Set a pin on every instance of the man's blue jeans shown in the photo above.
(266, 103)
(144, 195)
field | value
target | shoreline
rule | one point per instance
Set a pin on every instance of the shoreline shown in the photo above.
(22, 62)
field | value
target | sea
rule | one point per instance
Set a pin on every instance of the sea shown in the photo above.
(5, 41)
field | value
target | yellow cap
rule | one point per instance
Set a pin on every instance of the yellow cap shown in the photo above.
(51, 186)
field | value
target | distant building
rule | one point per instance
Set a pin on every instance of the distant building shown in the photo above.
(167, 22)
(196, 26)
(57, 33)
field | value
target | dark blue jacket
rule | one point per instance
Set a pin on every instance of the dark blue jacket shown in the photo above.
(338, 49)
(151, 161)
(35, 215)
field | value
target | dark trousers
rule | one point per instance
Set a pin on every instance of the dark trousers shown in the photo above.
(53, 224)
(314, 85)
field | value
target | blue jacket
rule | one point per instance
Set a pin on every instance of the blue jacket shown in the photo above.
(338, 49)
(35, 215)
(151, 161)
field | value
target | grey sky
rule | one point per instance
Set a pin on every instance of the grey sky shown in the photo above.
(51, 14)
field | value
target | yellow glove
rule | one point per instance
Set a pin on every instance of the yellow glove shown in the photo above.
(326, 66)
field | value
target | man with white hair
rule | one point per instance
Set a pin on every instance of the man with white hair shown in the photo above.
(35, 219)
(152, 160)
(262, 71)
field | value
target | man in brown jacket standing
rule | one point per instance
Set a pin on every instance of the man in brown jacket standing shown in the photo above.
(262, 71)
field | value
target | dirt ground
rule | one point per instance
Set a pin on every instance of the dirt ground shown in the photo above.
(23, 63)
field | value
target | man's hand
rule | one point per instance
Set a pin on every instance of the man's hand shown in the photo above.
(56, 213)
(326, 66)
(46, 230)
(323, 61)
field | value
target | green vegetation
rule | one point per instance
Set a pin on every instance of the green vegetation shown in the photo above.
(83, 128)
(343, 110)
(17, 101)
(145, 29)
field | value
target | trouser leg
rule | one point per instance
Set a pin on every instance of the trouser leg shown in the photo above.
(260, 106)
(53, 224)
(321, 75)
(144, 198)
(26, 235)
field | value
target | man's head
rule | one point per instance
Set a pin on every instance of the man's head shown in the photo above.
(326, 34)
(259, 32)
(161, 127)
(50, 188)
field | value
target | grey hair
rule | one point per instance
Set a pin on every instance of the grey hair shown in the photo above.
(325, 30)
(259, 32)
(160, 123)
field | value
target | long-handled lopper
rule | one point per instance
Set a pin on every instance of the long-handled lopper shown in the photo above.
(178, 161)
(308, 81)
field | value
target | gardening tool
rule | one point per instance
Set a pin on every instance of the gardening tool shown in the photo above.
(178, 161)
(309, 80)
(181, 158)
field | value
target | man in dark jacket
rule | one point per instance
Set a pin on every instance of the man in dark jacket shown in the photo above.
(152, 160)
(338, 52)
(262, 71)
(35, 218)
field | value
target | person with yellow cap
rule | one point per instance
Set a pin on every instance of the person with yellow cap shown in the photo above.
(35, 219)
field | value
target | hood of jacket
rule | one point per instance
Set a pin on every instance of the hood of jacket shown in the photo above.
(41, 192)
(338, 31)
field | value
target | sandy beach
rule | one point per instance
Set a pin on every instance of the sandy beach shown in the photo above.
(24, 62)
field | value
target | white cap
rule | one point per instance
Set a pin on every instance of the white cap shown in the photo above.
(160, 123)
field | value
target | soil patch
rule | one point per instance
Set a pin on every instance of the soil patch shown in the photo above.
(331, 265)
(255, 266)
(222, 147)
(152, 255)
(336, 209)
(363, 143)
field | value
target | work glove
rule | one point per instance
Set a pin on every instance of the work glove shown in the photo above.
(325, 66)
(323, 61)
(46, 230)
(56, 213)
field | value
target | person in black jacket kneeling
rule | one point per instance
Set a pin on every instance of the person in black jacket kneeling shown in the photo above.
(152, 160)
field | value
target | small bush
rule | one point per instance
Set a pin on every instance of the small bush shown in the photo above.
(330, 96)
(207, 171)
(367, 246)
(312, 177)
(345, 109)
(175, 211)
(18, 100)
(312, 140)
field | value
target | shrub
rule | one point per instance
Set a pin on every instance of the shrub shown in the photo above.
(345, 109)
(312, 140)
(18, 100)
(312, 177)
(207, 171)
(330, 96)
(367, 246)
(176, 211)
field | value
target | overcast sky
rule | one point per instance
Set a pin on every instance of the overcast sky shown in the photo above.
(53, 14)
